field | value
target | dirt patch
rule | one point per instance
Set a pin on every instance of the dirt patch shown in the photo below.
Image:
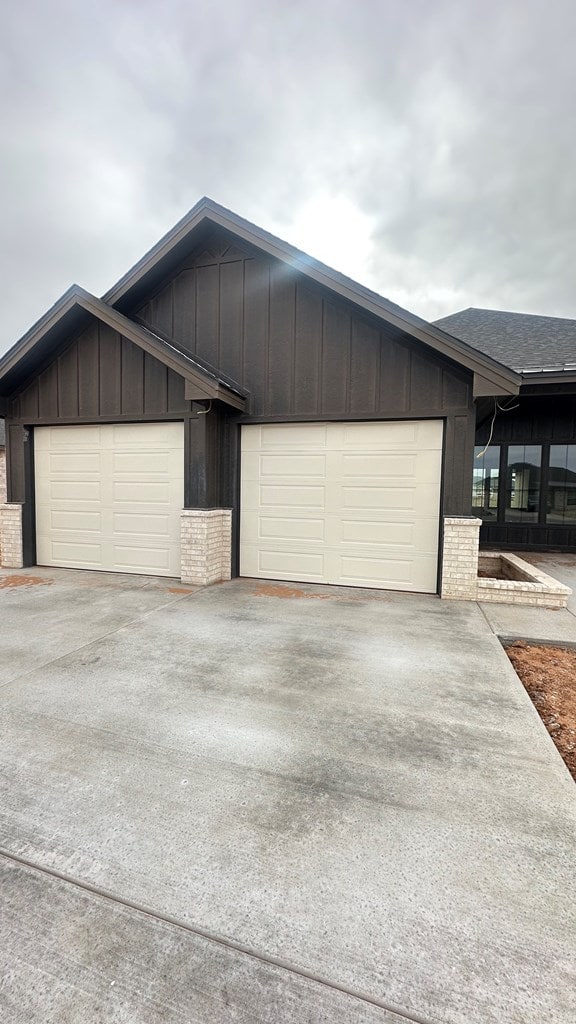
(486, 574)
(11, 582)
(549, 675)
(288, 593)
(293, 593)
(178, 590)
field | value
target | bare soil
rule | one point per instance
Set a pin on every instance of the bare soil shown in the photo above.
(10, 582)
(549, 675)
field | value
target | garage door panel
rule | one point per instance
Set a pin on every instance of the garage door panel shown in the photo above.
(258, 527)
(73, 553)
(354, 568)
(138, 492)
(377, 497)
(135, 558)
(141, 524)
(418, 466)
(387, 533)
(368, 532)
(76, 438)
(116, 508)
(410, 435)
(134, 463)
(283, 465)
(70, 520)
(281, 496)
(282, 436)
(68, 462)
(400, 574)
(78, 491)
(285, 528)
(361, 510)
(140, 436)
(367, 436)
(390, 497)
(286, 563)
(400, 465)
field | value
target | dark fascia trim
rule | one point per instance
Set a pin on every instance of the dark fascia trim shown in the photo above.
(505, 380)
(550, 377)
(145, 339)
(50, 319)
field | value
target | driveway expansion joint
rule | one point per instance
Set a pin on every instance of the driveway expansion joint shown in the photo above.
(403, 1016)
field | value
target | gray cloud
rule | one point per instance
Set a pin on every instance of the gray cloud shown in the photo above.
(447, 127)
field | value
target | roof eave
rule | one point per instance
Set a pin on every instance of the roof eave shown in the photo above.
(66, 311)
(550, 377)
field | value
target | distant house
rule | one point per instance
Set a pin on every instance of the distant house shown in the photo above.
(525, 466)
(233, 407)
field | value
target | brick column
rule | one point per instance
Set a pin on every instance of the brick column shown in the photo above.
(206, 539)
(11, 536)
(460, 558)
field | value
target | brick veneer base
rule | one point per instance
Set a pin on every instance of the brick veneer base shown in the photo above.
(460, 558)
(526, 584)
(11, 536)
(206, 539)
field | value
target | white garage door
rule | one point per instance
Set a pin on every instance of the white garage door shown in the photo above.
(109, 497)
(347, 503)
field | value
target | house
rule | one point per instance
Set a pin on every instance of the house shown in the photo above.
(525, 459)
(232, 406)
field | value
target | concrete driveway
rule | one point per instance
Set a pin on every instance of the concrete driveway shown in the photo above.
(264, 803)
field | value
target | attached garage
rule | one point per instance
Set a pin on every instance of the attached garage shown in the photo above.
(233, 407)
(109, 497)
(346, 503)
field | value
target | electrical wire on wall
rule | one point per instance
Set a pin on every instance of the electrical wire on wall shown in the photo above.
(497, 408)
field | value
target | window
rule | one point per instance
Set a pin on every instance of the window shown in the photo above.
(537, 484)
(485, 482)
(561, 496)
(523, 483)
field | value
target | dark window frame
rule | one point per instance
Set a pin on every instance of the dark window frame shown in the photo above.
(547, 510)
(541, 520)
(524, 513)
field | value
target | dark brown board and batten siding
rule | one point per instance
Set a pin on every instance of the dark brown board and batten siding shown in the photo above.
(303, 353)
(100, 376)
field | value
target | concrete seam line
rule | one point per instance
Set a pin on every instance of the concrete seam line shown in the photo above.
(238, 947)
(486, 619)
(96, 639)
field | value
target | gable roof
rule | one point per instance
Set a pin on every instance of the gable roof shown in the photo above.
(73, 311)
(175, 246)
(527, 343)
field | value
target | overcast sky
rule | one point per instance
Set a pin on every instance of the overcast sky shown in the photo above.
(426, 148)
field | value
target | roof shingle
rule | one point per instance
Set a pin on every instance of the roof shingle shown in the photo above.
(521, 341)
